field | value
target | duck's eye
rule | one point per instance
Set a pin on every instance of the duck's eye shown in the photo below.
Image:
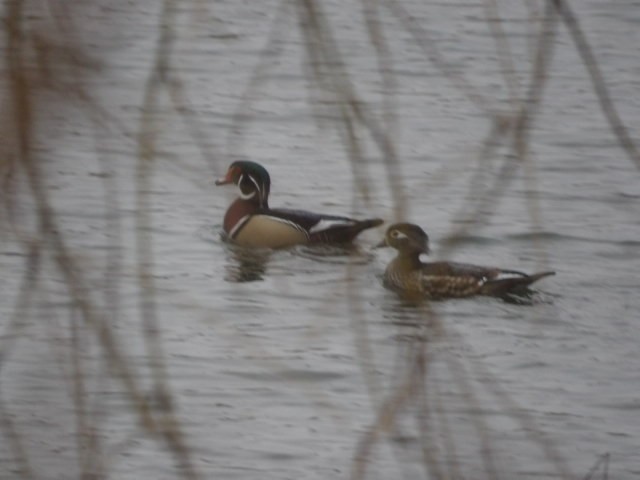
(394, 234)
(234, 172)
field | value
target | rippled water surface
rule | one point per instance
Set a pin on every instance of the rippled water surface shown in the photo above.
(279, 363)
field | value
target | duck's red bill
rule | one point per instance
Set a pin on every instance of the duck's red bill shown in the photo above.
(224, 181)
(228, 178)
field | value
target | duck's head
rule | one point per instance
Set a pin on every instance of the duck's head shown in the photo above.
(251, 178)
(406, 238)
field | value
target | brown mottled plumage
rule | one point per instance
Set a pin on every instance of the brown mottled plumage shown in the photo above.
(250, 222)
(409, 276)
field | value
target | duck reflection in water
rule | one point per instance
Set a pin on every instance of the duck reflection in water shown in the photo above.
(247, 264)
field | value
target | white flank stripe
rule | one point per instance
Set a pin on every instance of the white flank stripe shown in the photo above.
(238, 226)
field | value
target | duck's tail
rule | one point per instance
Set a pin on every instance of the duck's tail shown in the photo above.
(362, 225)
(368, 223)
(516, 284)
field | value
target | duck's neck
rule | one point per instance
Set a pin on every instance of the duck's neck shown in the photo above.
(238, 210)
(252, 189)
(408, 260)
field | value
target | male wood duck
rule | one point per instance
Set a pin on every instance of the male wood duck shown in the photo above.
(250, 222)
(409, 276)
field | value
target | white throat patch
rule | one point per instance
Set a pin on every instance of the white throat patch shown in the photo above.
(245, 196)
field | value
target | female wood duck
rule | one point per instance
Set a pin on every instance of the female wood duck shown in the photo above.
(437, 280)
(250, 222)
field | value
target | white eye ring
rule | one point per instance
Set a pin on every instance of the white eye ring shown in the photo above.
(394, 233)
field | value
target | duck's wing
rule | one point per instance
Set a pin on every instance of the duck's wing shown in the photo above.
(310, 221)
(450, 286)
(509, 283)
(451, 279)
(325, 228)
(467, 270)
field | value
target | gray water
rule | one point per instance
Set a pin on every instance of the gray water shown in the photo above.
(279, 365)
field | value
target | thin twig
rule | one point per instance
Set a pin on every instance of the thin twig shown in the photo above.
(597, 79)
